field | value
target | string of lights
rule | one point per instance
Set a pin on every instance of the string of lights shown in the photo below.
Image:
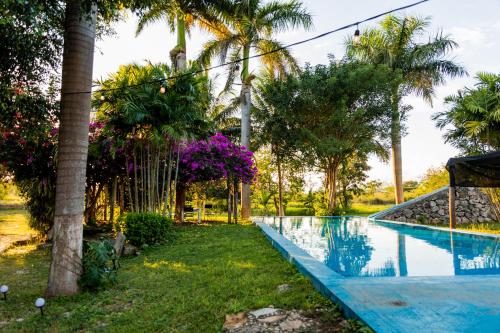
(324, 34)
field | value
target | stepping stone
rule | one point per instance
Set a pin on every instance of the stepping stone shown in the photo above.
(265, 312)
(272, 319)
(283, 287)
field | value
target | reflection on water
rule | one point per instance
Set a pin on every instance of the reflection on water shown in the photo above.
(358, 247)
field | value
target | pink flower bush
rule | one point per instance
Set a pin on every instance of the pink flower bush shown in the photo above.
(216, 158)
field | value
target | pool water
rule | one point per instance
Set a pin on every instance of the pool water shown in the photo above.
(359, 247)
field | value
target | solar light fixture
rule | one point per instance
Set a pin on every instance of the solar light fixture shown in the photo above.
(102, 98)
(4, 289)
(162, 89)
(40, 303)
(357, 36)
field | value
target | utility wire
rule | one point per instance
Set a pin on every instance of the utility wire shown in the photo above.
(355, 24)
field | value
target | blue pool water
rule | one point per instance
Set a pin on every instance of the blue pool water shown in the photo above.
(354, 246)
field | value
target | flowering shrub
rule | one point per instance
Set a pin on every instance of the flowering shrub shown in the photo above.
(216, 158)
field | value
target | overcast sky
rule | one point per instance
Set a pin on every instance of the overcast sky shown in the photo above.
(474, 24)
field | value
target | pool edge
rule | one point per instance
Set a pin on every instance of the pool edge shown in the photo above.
(324, 279)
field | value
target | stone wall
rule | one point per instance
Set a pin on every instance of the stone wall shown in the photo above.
(473, 206)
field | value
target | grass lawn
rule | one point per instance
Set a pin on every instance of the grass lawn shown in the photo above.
(189, 286)
(361, 209)
(13, 227)
(490, 228)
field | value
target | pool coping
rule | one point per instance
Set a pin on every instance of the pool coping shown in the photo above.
(342, 290)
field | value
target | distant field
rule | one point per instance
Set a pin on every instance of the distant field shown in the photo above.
(362, 209)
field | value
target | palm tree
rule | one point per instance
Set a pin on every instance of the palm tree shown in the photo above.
(178, 18)
(78, 58)
(247, 25)
(474, 116)
(421, 66)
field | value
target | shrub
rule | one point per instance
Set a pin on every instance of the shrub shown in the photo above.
(99, 265)
(146, 228)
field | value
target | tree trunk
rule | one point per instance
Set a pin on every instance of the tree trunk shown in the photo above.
(180, 201)
(245, 103)
(397, 163)
(332, 186)
(281, 211)
(113, 200)
(78, 56)
(229, 202)
(178, 54)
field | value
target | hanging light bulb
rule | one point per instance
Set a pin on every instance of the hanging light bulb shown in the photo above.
(162, 90)
(357, 36)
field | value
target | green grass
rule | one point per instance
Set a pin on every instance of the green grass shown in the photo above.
(13, 227)
(490, 228)
(361, 209)
(189, 286)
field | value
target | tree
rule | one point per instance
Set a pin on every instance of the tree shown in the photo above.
(473, 116)
(78, 54)
(151, 126)
(247, 25)
(341, 116)
(79, 37)
(275, 103)
(423, 66)
(218, 158)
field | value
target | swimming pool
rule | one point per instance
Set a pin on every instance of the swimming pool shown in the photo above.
(359, 247)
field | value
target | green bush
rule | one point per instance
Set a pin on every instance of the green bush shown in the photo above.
(146, 228)
(99, 265)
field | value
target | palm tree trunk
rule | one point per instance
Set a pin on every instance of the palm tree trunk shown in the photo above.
(79, 38)
(280, 189)
(397, 163)
(245, 103)
(180, 49)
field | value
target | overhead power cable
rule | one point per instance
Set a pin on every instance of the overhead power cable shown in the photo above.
(173, 77)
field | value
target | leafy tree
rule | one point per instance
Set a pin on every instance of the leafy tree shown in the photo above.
(433, 179)
(275, 103)
(423, 66)
(473, 117)
(264, 189)
(351, 178)
(341, 116)
(246, 25)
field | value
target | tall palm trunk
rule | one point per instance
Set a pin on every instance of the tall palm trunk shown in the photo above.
(397, 162)
(281, 211)
(178, 54)
(78, 56)
(245, 103)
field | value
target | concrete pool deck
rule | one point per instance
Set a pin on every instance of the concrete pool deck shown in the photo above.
(403, 304)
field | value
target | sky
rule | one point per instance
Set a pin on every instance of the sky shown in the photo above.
(474, 24)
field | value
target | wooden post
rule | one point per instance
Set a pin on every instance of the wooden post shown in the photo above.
(452, 207)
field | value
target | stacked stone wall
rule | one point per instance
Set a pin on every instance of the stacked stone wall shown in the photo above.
(473, 206)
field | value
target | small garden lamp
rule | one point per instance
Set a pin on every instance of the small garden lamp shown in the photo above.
(162, 89)
(4, 289)
(40, 303)
(102, 98)
(357, 36)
